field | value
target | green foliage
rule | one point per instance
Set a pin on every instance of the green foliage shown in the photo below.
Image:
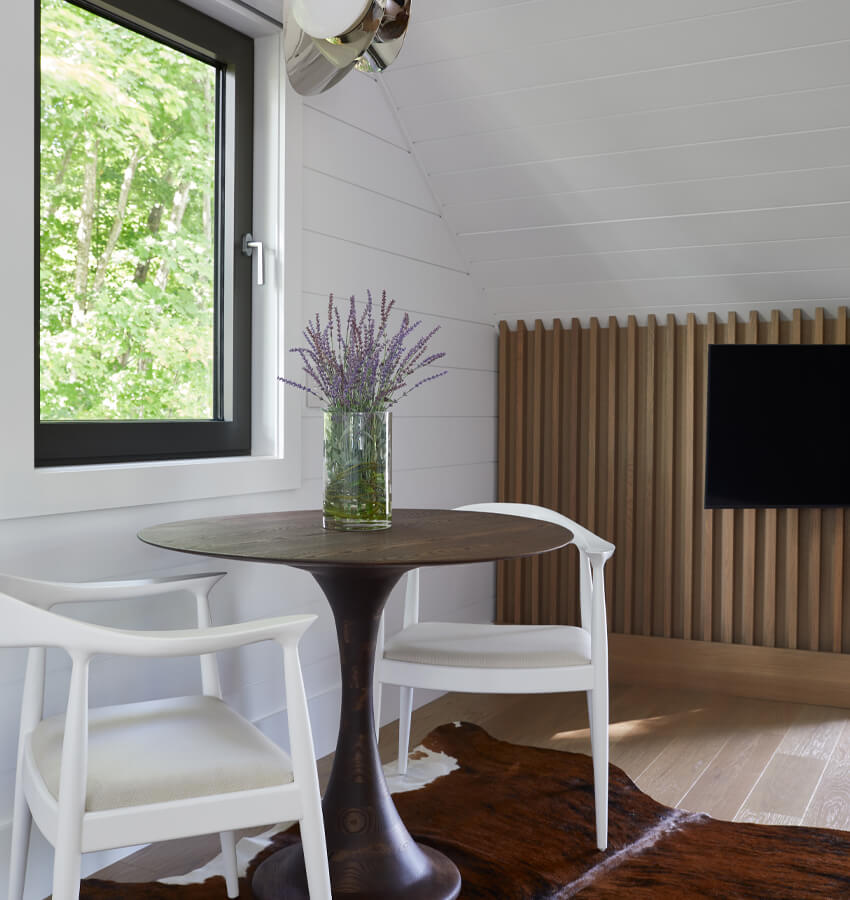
(357, 486)
(127, 188)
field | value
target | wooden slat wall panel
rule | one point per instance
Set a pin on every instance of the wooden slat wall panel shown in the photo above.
(607, 424)
(835, 559)
(766, 583)
(792, 538)
(709, 517)
(611, 448)
(503, 485)
(630, 374)
(748, 537)
(726, 578)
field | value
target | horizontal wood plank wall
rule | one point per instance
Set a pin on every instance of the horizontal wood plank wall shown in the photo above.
(607, 425)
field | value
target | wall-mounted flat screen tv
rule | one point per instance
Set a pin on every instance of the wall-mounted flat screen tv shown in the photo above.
(778, 426)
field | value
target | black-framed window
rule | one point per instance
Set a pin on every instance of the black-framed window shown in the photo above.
(143, 298)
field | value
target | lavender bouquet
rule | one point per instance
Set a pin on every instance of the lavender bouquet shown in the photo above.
(360, 369)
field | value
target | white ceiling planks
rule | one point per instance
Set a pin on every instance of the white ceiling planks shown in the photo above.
(795, 112)
(752, 258)
(546, 60)
(762, 75)
(616, 156)
(469, 29)
(737, 192)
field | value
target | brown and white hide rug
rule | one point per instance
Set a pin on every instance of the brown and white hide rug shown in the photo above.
(518, 822)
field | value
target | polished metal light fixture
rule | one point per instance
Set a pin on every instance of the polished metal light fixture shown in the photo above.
(325, 39)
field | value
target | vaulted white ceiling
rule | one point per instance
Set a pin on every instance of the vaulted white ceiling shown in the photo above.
(608, 157)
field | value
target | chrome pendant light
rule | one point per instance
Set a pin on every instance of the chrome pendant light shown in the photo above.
(325, 39)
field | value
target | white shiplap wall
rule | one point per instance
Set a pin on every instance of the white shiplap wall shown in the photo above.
(618, 157)
(369, 222)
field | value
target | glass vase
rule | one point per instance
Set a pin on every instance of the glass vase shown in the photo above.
(357, 472)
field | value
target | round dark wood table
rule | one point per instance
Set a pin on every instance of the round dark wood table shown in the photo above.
(371, 854)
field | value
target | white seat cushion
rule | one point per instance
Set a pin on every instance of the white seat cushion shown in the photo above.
(490, 646)
(163, 750)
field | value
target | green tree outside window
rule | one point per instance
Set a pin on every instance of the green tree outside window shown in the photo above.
(127, 209)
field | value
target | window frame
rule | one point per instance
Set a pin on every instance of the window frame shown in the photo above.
(275, 461)
(228, 432)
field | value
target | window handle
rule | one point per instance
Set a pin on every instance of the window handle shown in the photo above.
(248, 244)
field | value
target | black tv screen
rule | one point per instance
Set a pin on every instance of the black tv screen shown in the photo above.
(777, 432)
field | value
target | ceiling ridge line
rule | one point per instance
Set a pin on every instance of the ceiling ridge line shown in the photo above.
(390, 101)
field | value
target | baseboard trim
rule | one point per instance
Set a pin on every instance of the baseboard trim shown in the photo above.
(767, 673)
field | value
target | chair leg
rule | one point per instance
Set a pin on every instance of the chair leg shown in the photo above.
(228, 856)
(315, 851)
(598, 709)
(405, 711)
(21, 830)
(67, 862)
(377, 691)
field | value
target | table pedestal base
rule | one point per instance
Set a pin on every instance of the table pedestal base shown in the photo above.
(370, 853)
(419, 874)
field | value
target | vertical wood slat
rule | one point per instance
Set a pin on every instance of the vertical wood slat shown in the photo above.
(727, 537)
(709, 515)
(663, 567)
(518, 468)
(768, 635)
(611, 494)
(506, 423)
(812, 537)
(748, 528)
(838, 530)
(629, 486)
(534, 467)
(572, 469)
(686, 470)
(634, 470)
(556, 410)
(591, 437)
(548, 491)
(647, 477)
(792, 543)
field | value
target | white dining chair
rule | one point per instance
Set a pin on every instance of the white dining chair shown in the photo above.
(511, 659)
(115, 776)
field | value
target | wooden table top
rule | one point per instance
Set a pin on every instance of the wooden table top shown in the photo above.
(418, 537)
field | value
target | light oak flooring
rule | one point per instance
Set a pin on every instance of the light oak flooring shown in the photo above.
(733, 758)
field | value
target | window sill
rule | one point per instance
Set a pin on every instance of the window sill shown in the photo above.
(55, 490)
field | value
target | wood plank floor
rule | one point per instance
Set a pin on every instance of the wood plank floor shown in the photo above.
(733, 758)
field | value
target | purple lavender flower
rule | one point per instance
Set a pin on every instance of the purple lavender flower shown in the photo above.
(362, 367)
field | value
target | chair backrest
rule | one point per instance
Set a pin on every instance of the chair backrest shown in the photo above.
(47, 594)
(583, 538)
(593, 553)
(26, 606)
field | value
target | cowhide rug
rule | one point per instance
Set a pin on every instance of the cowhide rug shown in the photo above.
(518, 822)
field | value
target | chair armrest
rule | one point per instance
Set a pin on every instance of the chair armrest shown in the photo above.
(82, 639)
(287, 630)
(583, 539)
(588, 541)
(45, 594)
